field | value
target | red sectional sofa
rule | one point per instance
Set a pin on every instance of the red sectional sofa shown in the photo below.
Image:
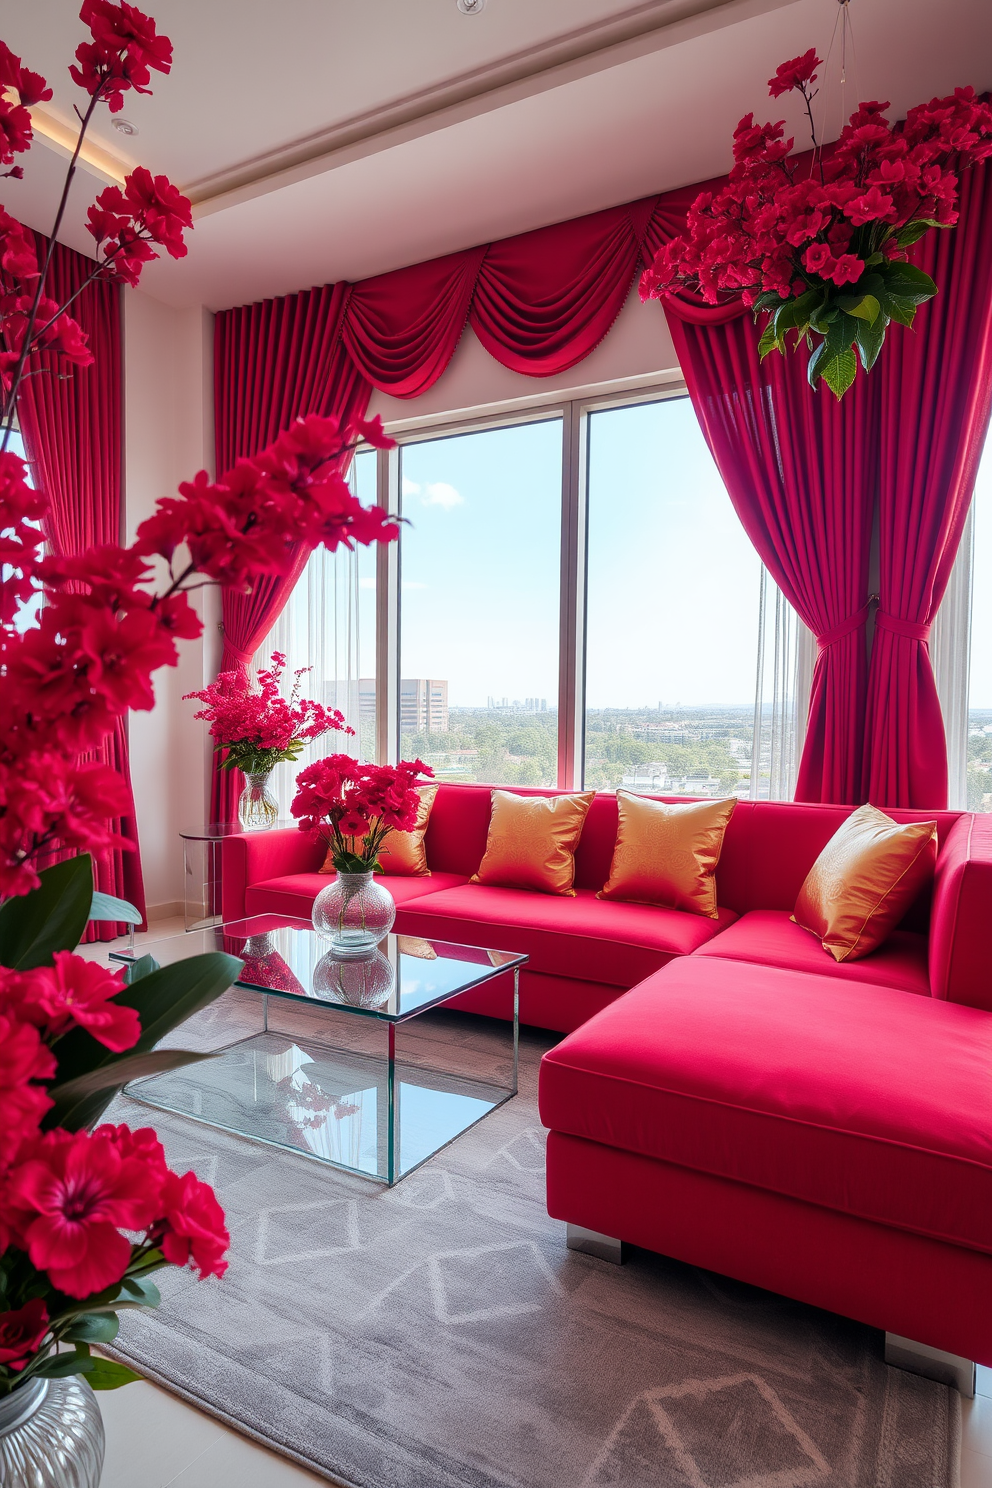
(729, 1094)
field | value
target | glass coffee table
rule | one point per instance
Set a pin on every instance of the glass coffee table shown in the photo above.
(343, 1095)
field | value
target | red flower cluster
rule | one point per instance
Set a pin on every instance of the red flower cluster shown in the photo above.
(126, 223)
(71, 993)
(357, 801)
(258, 728)
(124, 46)
(69, 1195)
(15, 121)
(787, 227)
(254, 519)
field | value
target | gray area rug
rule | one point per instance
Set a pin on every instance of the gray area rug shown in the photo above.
(440, 1335)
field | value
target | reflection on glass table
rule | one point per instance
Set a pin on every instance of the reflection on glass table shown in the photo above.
(344, 1096)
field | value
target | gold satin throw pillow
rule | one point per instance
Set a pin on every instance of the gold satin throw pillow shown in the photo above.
(532, 842)
(403, 854)
(864, 881)
(667, 854)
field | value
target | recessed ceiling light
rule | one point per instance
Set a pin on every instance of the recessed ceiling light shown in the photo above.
(126, 127)
(470, 7)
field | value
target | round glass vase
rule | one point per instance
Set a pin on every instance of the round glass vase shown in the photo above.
(258, 809)
(51, 1435)
(355, 913)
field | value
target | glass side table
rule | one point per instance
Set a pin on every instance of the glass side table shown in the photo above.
(342, 1090)
(201, 871)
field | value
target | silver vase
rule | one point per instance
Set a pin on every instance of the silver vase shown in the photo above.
(51, 1435)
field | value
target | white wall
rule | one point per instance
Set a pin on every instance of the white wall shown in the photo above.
(168, 422)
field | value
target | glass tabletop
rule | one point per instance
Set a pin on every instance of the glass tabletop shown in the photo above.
(286, 958)
(216, 831)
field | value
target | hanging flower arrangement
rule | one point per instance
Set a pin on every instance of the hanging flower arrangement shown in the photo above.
(817, 244)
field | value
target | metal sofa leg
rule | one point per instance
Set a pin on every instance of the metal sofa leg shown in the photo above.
(932, 1363)
(604, 1247)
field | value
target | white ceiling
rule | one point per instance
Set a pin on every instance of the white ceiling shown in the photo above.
(360, 135)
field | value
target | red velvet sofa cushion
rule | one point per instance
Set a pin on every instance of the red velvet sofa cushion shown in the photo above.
(585, 937)
(769, 937)
(854, 1097)
(294, 893)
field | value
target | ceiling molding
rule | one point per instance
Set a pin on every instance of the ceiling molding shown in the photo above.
(61, 138)
(639, 31)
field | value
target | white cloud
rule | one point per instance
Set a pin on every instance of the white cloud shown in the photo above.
(439, 493)
(410, 488)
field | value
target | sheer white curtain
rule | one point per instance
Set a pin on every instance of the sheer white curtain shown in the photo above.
(328, 625)
(786, 652)
(950, 654)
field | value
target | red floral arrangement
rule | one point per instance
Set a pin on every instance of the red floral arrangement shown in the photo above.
(86, 1215)
(258, 727)
(345, 802)
(817, 243)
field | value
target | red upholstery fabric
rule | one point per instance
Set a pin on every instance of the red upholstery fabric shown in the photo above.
(252, 857)
(768, 937)
(584, 937)
(920, 1288)
(559, 1003)
(854, 1097)
(294, 893)
(961, 922)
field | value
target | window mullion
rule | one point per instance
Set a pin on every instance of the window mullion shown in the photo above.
(571, 671)
(387, 628)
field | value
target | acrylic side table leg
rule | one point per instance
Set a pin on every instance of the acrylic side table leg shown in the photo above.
(265, 1012)
(391, 1153)
(516, 1025)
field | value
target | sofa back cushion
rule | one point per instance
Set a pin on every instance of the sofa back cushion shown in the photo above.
(961, 921)
(768, 849)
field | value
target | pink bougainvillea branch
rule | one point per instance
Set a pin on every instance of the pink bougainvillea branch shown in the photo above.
(818, 245)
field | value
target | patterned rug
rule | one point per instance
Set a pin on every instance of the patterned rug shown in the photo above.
(440, 1335)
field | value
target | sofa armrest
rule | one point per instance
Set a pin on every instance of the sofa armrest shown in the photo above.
(251, 857)
(961, 918)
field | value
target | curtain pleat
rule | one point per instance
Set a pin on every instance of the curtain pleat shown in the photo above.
(72, 426)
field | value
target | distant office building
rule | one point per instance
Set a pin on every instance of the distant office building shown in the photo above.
(514, 705)
(423, 706)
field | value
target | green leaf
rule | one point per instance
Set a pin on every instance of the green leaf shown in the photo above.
(865, 308)
(144, 1292)
(51, 918)
(901, 310)
(163, 999)
(59, 1366)
(798, 311)
(908, 282)
(93, 1327)
(106, 907)
(106, 1374)
(914, 231)
(75, 1095)
(871, 336)
(839, 372)
(142, 967)
(769, 341)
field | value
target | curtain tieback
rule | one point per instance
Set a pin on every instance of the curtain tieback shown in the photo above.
(910, 629)
(846, 627)
(240, 655)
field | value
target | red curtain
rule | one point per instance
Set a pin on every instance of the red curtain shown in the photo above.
(936, 391)
(72, 432)
(273, 362)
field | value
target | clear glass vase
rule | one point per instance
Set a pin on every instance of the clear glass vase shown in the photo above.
(355, 913)
(51, 1435)
(258, 809)
(360, 981)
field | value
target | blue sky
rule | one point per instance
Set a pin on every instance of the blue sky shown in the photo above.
(673, 580)
(981, 613)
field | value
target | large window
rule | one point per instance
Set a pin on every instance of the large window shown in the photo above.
(572, 601)
(479, 604)
(980, 682)
(672, 610)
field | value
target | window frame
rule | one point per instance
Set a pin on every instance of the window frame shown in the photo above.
(574, 508)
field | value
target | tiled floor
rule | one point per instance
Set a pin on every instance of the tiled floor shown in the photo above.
(155, 1440)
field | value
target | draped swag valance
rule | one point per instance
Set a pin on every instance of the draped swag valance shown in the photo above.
(805, 474)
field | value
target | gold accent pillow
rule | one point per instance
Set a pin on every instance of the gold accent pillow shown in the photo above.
(864, 881)
(532, 842)
(667, 854)
(403, 853)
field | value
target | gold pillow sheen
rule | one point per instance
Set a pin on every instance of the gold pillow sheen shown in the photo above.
(667, 854)
(532, 842)
(403, 854)
(864, 881)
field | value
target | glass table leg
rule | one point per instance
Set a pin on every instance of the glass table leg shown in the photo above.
(391, 1105)
(516, 1025)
